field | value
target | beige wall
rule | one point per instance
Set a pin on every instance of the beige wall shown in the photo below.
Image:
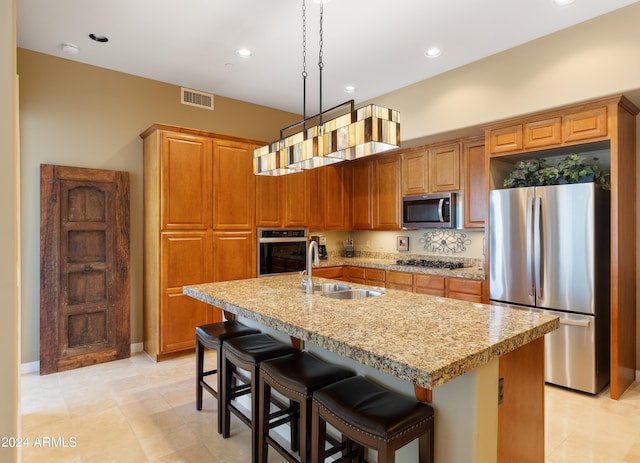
(85, 116)
(9, 294)
(78, 115)
(594, 59)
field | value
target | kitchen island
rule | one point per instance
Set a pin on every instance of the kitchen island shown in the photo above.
(404, 340)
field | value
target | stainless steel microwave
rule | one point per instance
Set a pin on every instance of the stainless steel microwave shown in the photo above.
(429, 211)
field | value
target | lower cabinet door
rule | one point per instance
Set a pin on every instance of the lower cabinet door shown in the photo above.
(234, 255)
(179, 318)
(186, 260)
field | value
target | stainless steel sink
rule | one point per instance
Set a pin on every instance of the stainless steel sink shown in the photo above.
(354, 293)
(330, 287)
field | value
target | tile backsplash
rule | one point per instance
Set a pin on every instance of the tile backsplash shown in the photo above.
(425, 242)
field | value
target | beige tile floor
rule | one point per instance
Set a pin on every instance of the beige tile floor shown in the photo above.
(136, 410)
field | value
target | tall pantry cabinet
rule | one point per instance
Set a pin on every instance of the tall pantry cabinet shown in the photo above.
(199, 226)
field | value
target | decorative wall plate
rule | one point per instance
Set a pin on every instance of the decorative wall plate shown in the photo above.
(445, 241)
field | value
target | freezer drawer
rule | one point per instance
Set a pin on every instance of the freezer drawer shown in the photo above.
(570, 353)
(577, 353)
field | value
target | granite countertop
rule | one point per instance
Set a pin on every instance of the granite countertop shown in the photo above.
(423, 339)
(472, 272)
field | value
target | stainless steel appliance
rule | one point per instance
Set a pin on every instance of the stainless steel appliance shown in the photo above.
(322, 245)
(549, 250)
(429, 211)
(281, 250)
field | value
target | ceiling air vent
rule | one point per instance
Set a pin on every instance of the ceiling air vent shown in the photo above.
(195, 98)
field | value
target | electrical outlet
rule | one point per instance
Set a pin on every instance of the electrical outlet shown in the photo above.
(368, 244)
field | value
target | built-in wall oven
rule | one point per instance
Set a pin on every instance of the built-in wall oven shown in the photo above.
(281, 250)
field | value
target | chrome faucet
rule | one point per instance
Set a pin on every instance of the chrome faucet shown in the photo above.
(312, 259)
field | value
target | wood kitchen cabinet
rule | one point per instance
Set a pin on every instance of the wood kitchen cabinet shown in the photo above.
(186, 177)
(268, 201)
(186, 258)
(585, 123)
(464, 289)
(281, 201)
(333, 196)
(474, 189)
(199, 223)
(233, 185)
(400, 280)
(387, 193)
(431, 169)
(434, 285)
(415, 173)
(444, 168)
(234, 255)
(335, 273)
(296, 205)
(315, 199)
(329, 197)
(362, 174)
(356, 274)
(376, 187)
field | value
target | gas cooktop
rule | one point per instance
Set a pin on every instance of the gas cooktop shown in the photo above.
(431, 263)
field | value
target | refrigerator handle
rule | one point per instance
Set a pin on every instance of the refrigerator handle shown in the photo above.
(529, 251)
(440, 206)
(570, 322)
(537, 245)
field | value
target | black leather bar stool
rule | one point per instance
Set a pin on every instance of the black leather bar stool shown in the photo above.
(371, 416)
(295, 377)
(246, 353)
(212, 336)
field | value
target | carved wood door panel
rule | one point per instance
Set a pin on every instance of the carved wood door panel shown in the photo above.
(84, 267)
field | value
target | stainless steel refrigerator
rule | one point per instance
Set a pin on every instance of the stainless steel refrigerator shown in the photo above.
(549, 251)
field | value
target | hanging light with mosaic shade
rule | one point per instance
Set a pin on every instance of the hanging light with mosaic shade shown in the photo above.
(353, 134)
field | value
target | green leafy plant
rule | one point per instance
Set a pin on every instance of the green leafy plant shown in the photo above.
(548, 175)
(572, 169)
(524, 174)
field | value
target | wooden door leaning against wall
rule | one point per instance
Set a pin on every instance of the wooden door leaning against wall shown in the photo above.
(84, 267)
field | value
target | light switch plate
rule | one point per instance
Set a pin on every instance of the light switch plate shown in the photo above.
(403, 243)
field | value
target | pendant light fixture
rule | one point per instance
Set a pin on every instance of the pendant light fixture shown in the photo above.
(360, 132)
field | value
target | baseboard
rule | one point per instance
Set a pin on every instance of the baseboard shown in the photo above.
(137, 348)
(31, 367)
(34, 367)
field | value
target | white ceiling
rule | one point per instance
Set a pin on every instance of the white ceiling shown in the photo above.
(376, 45)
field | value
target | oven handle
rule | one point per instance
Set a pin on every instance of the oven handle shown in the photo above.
(283, 240)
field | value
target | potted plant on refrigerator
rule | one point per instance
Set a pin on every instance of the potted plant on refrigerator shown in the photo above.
(572, 169)
(524, 174)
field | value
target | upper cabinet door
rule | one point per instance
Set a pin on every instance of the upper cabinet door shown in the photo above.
(315, 198)
(362, 178)
(415, 176)
(444, 168)
(475, 184)
(268, 201)
(233, 186)
(337, 196)
(387, 198)
(296, 204)
(186, 180)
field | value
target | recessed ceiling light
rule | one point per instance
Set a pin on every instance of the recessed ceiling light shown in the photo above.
(99, 38)
(69, 49)
(349, 89)
(244, 52)
(432, 52)
(563, 2)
